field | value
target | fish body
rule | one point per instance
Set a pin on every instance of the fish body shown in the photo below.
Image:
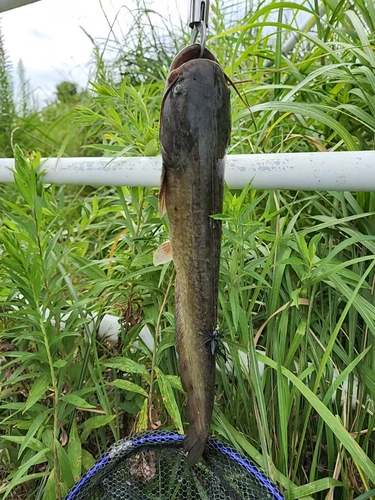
(195, 125)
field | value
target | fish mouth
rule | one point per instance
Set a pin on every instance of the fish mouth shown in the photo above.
(189, 53)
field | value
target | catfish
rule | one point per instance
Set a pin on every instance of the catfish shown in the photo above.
(195, 127)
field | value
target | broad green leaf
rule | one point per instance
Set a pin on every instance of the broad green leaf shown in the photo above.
(33, 444)
(175, 382)
(305, 491)
(316, 112)
(127, 365)
(34, 428)
(151, 148)
(96, 422)
(88, 460)
(369, 495)
(169, 399)
(60, 363)
(125, 385)
(75, 452)
(65, 466)
(37, 391)
(75, 400)
(50, 489)
(142, 421)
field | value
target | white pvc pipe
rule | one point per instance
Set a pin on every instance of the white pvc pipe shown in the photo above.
(351, 171)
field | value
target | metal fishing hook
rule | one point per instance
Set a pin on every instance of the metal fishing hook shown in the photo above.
(198, 21)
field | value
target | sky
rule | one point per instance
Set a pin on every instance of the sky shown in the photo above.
(48, 36)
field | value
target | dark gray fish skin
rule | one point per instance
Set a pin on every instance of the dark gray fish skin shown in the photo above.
(195, 125)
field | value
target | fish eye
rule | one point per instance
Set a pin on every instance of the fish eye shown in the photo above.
(177, 89)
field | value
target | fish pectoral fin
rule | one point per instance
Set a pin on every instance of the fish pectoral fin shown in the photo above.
(162, 194)
(162, 208)
(163, 254)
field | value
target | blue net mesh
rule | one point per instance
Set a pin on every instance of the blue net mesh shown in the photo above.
(152, 465)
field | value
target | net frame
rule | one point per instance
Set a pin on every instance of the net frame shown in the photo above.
(126, 447)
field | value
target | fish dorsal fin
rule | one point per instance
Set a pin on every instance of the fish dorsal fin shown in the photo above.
(163, 254)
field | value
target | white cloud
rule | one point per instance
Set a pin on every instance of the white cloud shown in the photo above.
(48, 37)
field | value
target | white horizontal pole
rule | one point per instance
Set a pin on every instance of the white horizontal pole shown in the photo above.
(350, 171)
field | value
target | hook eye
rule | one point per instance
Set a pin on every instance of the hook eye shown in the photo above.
(199, 29)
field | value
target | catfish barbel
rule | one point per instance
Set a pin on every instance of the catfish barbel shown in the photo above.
(195, 125)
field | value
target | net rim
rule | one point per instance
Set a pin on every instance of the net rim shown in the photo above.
(129, 445)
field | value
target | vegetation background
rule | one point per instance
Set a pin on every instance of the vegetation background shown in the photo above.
(297, 270)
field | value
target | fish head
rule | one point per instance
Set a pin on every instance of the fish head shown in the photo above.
(194, 84)
(190, 53)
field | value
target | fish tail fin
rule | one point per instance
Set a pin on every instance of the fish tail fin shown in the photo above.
(195, 443)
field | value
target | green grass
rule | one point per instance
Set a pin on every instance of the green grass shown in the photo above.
(296, 284)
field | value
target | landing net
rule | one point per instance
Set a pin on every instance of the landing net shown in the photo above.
(152, 466)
